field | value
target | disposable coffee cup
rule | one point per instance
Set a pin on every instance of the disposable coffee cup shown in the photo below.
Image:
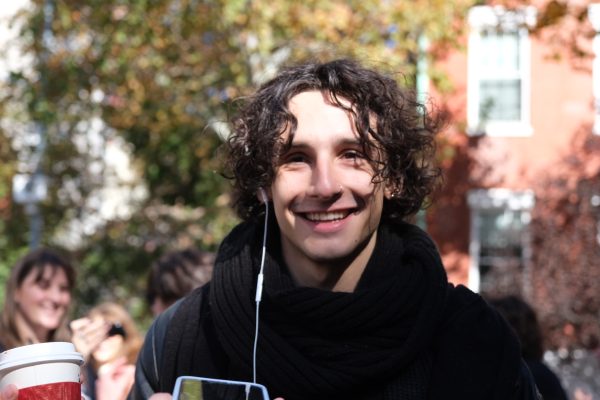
(44, 371)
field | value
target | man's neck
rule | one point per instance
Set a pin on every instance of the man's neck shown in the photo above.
(335, 275)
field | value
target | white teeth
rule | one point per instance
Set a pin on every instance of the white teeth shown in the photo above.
(325, 216)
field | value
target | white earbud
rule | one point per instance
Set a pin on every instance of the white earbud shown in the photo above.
(262, 195)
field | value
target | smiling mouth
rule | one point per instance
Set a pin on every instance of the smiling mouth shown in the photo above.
(326, 216)
(51, 308)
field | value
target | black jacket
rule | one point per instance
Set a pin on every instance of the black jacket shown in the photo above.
(148, 370)
(405, 333)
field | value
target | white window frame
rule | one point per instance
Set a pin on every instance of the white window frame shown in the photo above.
(488, 199)
(482, 18)
(594, 17)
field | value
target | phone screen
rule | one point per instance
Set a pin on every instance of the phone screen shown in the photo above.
(200, 388)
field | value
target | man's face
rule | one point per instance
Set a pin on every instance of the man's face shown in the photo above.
(327, 207)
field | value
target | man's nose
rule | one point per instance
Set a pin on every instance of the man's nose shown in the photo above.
(325, 183)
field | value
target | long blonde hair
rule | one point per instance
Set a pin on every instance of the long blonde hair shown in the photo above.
(114, 313)
(34, 262)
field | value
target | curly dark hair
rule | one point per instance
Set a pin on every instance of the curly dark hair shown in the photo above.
(404, 132)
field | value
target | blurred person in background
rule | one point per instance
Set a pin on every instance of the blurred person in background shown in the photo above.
(176, 274)
(37, 300)
(523, 319)
(582, 391)
(109, 341)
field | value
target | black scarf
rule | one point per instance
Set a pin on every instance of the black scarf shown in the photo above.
(320, 344)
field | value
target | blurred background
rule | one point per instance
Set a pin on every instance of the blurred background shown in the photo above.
(112, 113)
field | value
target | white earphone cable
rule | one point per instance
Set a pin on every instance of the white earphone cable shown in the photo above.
(259, 289)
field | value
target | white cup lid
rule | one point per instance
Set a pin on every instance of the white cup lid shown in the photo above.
(39, 353)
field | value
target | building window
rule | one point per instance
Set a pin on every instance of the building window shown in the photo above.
(499, 71)
(499, 247)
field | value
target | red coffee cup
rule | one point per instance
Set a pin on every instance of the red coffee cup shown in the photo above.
(44, 371)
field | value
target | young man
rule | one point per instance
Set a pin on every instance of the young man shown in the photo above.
(356, 303)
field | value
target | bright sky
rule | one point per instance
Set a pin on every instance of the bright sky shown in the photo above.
(9, 56)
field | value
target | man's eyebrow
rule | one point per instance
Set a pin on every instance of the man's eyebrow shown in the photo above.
(298, 145)
(342, 142)
(350, 142)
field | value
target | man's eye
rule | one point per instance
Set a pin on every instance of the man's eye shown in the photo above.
(295, 158)
(353, 155)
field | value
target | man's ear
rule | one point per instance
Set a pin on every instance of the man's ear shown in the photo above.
(391, 191)
(388, 193)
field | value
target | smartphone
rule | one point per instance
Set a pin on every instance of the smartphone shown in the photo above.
(200, 388)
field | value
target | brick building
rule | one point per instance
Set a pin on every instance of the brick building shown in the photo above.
(520, 208)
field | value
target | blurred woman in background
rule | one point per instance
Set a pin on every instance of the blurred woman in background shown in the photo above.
(109, 341)
(37, 300)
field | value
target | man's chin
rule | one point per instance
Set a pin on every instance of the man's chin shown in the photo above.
(332, 256)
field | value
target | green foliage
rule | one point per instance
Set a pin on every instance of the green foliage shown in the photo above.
(13, 232)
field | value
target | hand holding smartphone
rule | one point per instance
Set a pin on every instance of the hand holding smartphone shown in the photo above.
(200, 388)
